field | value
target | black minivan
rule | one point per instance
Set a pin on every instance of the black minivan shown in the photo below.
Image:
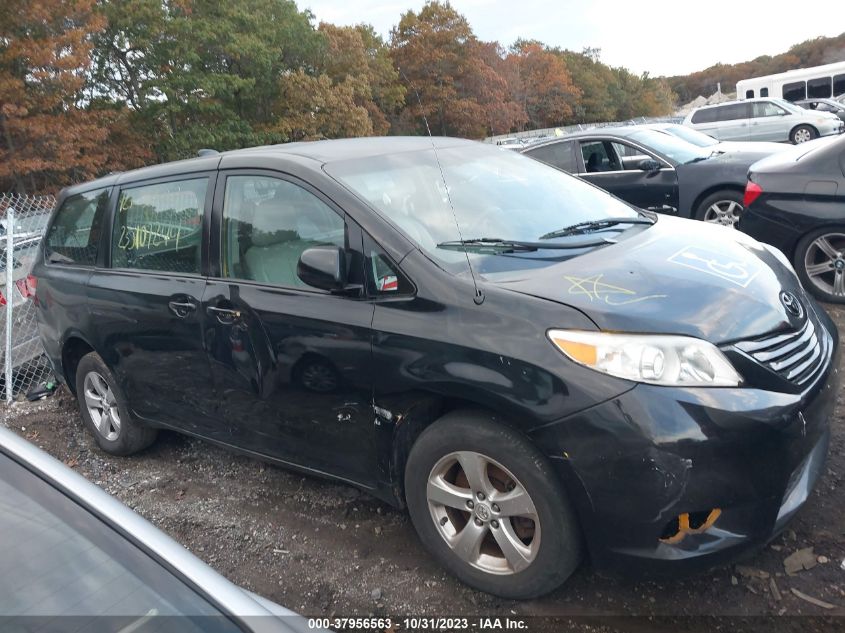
(536, 369)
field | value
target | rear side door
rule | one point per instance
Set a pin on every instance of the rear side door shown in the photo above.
(292, 363)
(732, 121)
(615, 166)
(145, 299)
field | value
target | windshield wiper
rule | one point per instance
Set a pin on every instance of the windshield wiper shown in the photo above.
(499, 245)
(594, 225)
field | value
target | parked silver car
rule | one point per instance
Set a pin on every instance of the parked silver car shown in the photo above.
(763, 120)
(74, 558)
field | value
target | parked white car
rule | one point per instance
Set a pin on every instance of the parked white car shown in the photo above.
(763, 120)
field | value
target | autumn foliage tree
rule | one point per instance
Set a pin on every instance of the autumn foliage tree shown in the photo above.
(46, 138)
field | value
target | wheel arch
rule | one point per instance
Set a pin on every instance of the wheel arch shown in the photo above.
(706, 193)
(809, 125)
(74, 347)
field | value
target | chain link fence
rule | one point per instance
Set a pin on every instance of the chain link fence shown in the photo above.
(25, 369)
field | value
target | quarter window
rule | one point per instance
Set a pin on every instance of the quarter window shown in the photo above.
(75, 232)
(268, 223)
(159, 227)
(384, 279)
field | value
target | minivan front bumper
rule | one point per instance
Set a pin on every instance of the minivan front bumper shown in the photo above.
(663, 477)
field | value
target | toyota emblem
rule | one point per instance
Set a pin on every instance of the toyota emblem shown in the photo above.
(792, 304)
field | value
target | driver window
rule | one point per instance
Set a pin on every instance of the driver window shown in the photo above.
(765, 109)
(268, 223)
(629, 156)
(599, 156)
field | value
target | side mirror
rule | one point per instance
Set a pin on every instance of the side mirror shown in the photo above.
(650, 165)
(323, 267)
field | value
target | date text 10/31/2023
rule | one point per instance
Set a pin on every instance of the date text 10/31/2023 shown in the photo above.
(423, 623)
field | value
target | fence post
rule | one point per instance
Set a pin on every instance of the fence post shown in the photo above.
(10, 271)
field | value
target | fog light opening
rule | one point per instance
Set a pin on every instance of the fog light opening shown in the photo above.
(688, 523)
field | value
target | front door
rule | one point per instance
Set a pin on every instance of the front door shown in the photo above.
(616, 167)
(292, 363)
(146, 301)
(767, 122)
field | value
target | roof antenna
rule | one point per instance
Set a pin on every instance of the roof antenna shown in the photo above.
(478, 296)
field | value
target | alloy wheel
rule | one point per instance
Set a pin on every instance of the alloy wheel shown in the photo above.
(483, 512)
(802, 136)
(102, 406)
(824, 263)
(724, 212)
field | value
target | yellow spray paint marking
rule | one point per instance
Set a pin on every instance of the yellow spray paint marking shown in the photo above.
(597, 290)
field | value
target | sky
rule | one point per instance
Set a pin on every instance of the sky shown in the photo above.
(660, 37)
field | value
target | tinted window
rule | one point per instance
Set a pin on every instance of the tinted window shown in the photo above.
(749, 94)
(267, 223)
(765, 109)
(732, 112)
(764, 92)
(795, 91)
(818, 88)
(838, 85)
(59, 560)
(75, 232)
(555, 154)
(707, 115)
(159, 227)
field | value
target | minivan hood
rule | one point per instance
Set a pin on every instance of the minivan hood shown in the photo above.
(675, 277)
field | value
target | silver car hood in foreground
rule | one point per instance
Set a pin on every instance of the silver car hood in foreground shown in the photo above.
(258, 613)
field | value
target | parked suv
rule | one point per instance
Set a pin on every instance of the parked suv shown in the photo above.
(533, 367)
(763, 120)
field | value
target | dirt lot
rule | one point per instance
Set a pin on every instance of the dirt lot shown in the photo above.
(327, 549)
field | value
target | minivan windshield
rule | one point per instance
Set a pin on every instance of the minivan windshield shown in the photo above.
(496, 194)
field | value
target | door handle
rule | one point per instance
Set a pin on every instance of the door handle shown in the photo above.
(181, 308)
(225, 315)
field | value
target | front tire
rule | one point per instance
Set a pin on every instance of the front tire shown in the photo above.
(722, 207)
(802, 134)
(820, 263)
(486, 503)
(104, 410)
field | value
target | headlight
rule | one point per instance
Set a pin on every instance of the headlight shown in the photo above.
(680, 361)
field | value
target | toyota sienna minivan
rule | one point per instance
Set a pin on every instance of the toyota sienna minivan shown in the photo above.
(538, 371)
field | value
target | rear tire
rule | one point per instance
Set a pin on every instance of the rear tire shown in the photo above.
(522, 508)
(104, 411)
(802, 134)
(820, 263)
(722, 207)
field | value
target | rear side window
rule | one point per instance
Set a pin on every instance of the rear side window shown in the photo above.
(159, 227)
(75, 232)
(838, 85)
(708, 115)
(732, 112)
(268, 223)
(555, 154)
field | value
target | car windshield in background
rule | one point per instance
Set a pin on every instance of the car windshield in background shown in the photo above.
(689, 135)
(59, 560)
(496, 194)
(675, 149)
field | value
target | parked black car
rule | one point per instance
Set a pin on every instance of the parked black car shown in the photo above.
(824, 105)
(795, 202)
(655, 170)
(535, 368)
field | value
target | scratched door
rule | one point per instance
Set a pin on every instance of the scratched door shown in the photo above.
(144, 302)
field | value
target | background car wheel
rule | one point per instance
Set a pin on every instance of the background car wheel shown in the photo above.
(104, 411)
(820, 263)
(723, 207)
(802, 134)
(486, 503)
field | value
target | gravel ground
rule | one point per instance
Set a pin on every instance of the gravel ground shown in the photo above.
(327, 549)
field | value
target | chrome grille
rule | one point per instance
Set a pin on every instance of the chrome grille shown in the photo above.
(796, 355)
